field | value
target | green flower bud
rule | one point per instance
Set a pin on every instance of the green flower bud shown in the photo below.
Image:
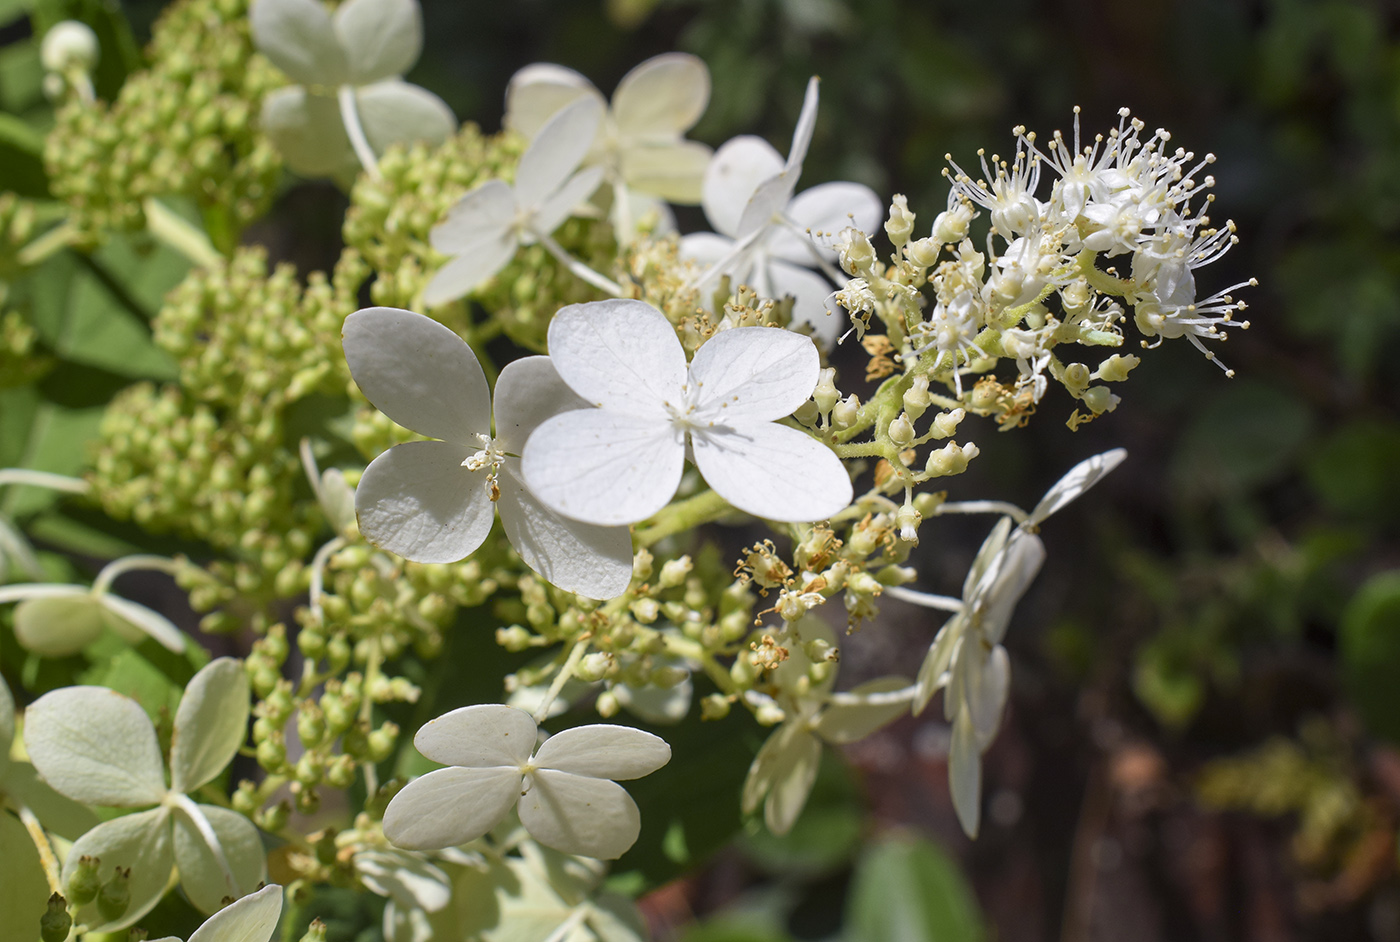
(674, 572)
(316, 932)
(55, 923)
(340, 773)
(84, 885)
(272, 753)
(274, 818)
(714, 707)
(380, 743)
(311, 724)
(606, 704)
(115, 895)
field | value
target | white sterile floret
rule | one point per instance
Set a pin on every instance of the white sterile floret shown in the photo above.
(98, 747)
(250, 919)
(59, 620)
(967, 659)
(770, 240)
(640, 142)
(621, 462)
(565, 791)
(486, 226)
(357, 54)
(434, 502)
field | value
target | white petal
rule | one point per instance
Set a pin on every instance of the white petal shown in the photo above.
(935, 664)
(674, 172)
(987, 553)
(538, 92)
(450, 806)
(250, 919)
(1079, 479)
(200, 873)
(298, 37)
(394, 112)
(479, 736)
(408, 878)
(809, 292)
(794, 784)
(662, 97)
(337, 499)
(767, 205)
(828, 209)
(381, 38)
(580, 815)
(707, 248)
(735, 172)
(772, 471)
(528, 391)
(563, 202)
(308, 132)
(418, 501)
(210, 724)
(556, 151)
(477, 264)
(1006, 581)
(139, 841)
(148, 622)
(604, 750)
(484, 214)
(840, 723)
(95, 746)
(604, 467)
(802, 134)
(418, 373)
(749, 374)
(987, 692)
(59, 624)
(620, 354)
(591, 560)
(965, 773)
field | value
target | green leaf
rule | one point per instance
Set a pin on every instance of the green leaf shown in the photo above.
(90, 320)
(23, 890)
(1353, 470)
(1370, 647)
(129, 673)
(907, 889)
(44, 437)
(21, 156)
(11, 10)
(21, 76)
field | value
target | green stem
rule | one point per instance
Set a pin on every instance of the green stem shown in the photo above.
(54, 482)
(372, 670)
(560, 679)
(580, 270)
(47, 859)
(112, 570)
(175, 231)
(350, 115)
(55, 240)
(682, 515)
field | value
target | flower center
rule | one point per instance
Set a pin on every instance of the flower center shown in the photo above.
(488, 459)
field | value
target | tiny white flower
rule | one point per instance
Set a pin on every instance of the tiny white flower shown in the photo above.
(565, 791)
(250, 919)
(363, 48)
(98, 747)
(640, 142)
(622, 462)
(766, 237)
(434, 502)
(485, 227)
(58, 620)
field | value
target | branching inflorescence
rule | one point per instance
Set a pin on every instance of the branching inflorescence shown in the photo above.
(680, 381)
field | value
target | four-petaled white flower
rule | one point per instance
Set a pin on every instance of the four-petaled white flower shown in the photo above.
(967, 659)
(622, 462)
(434, 502)
(767, 238)
(486, 226)
(352, 59)
(785, 768)
(565, 791)
(641, 143)
(98, 747)
(58, 620)
(250, 919)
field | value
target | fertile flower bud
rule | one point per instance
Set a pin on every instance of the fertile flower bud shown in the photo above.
(674, 572)
(901, 221)
(1116, 368)
(84, 884)
(901, 430)
(714, 707)
(1076, 377)
(55, 923)
(845, 413)
(115, 895)
(945, 424)
(70, 45)
(951, 225)
(923, 252)
(908, 519)
(950, 459)
(826, 394)
(1100, 400)
(916, 397)
(594, 667)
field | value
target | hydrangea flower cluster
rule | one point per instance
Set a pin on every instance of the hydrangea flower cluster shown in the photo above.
(360, 490)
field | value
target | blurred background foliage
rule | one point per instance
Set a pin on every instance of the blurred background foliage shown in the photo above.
(1206, 708)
